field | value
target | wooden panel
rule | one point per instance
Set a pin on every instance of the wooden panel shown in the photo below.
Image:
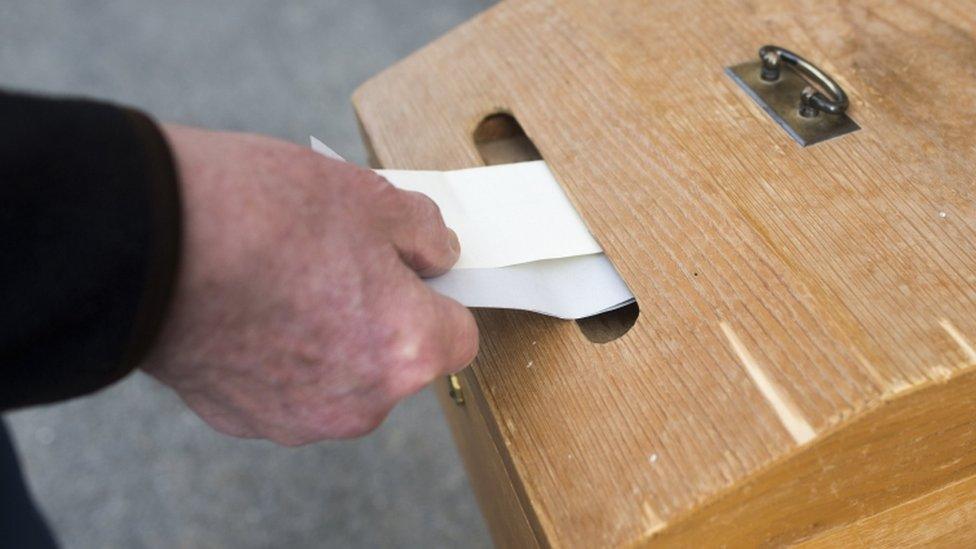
(490, 480)
(787, 294)
(943, 518)
(899, 450)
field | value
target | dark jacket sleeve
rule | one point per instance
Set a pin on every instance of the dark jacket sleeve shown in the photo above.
(89, 244)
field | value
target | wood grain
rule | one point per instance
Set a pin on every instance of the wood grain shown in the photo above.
(943, 518)
(801, 308)
(491, 479)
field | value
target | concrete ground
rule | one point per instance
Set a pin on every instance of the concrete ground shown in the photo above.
(130, 467)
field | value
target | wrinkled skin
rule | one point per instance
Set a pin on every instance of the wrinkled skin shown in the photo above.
(299, 312)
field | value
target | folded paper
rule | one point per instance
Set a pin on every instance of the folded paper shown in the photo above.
(569, 287)
(523, 244)
(504, 215)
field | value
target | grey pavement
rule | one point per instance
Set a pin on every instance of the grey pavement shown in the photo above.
(130, 466)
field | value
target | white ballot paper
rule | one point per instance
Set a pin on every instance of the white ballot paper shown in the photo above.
(503, 215)
(569, 287)
(523, 245)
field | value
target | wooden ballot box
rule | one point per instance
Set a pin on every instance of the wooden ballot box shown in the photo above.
(799, 366)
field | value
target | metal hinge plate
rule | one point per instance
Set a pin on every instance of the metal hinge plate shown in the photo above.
(781, 99)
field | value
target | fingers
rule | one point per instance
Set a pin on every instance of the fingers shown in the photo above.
(438, 336)
(457, 331)
(421, 238)
(413, 223)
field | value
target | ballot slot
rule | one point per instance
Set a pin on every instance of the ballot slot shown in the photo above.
(500, 139)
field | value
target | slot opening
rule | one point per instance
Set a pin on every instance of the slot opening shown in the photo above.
(500, 139)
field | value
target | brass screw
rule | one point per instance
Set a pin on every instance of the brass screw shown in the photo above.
(454, 389)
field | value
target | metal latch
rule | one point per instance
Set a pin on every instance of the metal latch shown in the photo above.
(794, 93)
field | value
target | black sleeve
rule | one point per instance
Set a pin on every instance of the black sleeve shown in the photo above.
(89, 244)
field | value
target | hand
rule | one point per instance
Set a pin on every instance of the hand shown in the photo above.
(299, 311)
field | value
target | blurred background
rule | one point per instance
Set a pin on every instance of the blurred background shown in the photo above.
(130, 467)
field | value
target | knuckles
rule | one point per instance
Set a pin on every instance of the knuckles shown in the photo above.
(424, 208)
(397, 357)
(409, 367)
(406, 354)
(377, 192)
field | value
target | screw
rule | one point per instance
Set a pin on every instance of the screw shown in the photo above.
(807, 108)
(770, 66)
(454, 389)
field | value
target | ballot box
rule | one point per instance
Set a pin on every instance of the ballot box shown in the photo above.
(798, 226)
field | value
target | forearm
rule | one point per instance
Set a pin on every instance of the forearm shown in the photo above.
(90, 220)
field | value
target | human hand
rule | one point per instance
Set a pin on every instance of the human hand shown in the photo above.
(299, 313)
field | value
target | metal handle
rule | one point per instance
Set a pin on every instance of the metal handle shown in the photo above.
(812, 101)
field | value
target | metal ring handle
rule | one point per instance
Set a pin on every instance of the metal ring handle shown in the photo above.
(771, 57)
